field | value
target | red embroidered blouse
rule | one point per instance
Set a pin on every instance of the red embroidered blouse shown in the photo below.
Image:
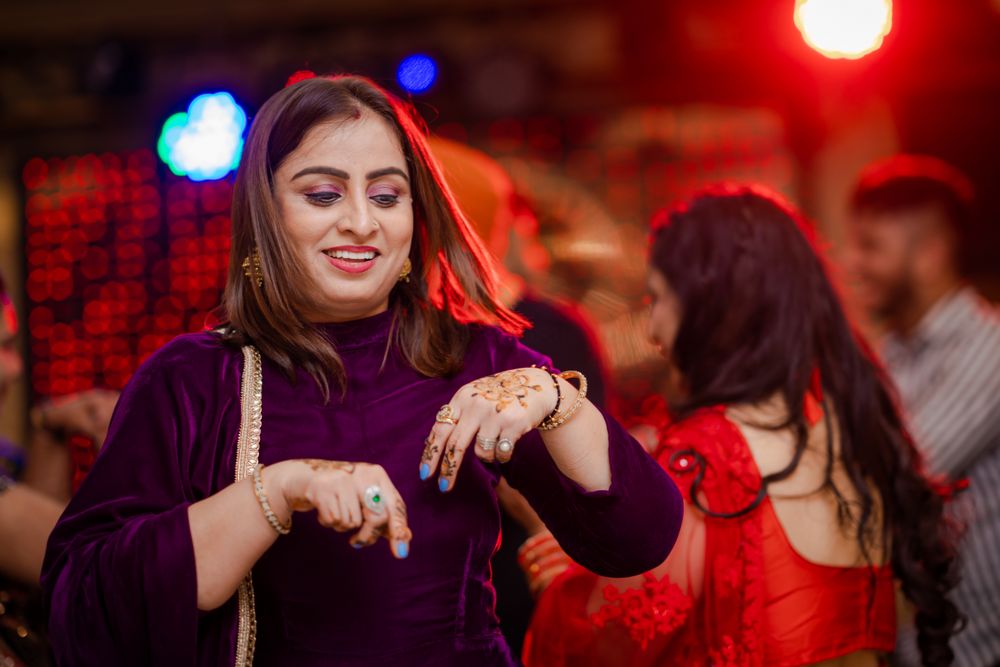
(761, 602)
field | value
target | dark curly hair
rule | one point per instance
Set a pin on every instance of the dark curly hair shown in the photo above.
(759, 314)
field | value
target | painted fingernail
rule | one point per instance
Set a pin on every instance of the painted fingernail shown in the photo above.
(402, 549)
(357, 545)
(425, 471)
(443, 484)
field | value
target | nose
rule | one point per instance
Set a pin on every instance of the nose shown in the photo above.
(357, 219)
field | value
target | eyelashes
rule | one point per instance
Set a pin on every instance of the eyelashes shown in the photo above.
(323, 197)
(383, 197)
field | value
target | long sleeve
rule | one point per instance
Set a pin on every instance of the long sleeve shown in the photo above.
(120, 571)
(623, 531)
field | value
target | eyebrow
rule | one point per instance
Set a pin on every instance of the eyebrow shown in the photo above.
(339, 173)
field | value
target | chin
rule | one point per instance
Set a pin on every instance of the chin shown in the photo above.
(340, 306)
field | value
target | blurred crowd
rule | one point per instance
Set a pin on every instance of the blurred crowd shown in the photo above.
(877, 458)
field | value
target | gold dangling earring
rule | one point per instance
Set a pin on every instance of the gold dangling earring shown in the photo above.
(251, 267)
(404, 274)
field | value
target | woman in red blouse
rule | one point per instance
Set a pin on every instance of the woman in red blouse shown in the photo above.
(805, 503)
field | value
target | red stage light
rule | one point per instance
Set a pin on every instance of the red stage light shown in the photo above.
(844, 28)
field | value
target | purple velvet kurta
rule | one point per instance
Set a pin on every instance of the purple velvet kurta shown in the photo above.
(120, 568)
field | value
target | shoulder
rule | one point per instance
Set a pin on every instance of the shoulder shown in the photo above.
(707, 443)
(706, 429)
(187, 358)
(498, 350)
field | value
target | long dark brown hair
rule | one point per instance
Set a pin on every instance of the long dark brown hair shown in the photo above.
(760, 316)
(453, 280)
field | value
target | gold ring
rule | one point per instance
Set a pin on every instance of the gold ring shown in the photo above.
(444, 416)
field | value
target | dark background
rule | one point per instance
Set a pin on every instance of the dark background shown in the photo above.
(711, 90)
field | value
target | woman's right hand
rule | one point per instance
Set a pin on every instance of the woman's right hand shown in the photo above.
(346, 496)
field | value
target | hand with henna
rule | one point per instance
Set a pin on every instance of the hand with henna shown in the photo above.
(489, 415)
(337, 491)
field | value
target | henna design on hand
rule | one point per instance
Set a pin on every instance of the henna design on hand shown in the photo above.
(320, 464)
(400, 511)
(430, 449)
(448, 464)
(505, 388)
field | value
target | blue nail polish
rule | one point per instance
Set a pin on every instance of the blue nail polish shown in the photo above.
(358, 545)
(425, 471)
(402, 549)
(443, 484)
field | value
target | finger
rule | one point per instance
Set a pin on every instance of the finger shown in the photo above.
(328, 512)
(505, 446)
(373, 512)
(351, 510)
(372, 527)
(431, 455)
(434, 444)
(398, 528)
(454, 453)
(486, 443)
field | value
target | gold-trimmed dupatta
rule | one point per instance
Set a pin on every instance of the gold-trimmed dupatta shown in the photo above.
(247, 458)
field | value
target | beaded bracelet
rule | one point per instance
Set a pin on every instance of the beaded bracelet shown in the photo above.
(272, 518)
(555, 383)
(553, 422)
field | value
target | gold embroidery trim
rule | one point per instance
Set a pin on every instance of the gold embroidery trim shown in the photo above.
(247, 458)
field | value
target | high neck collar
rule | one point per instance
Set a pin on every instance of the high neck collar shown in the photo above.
(357, 333)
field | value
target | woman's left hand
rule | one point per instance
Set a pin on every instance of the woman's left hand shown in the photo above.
(490, 414)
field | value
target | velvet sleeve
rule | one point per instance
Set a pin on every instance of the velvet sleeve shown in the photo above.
(119, 572)
(622, 531)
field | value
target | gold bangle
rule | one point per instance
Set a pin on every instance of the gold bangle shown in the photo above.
(272, 518)
(555, 383)
(550, 423)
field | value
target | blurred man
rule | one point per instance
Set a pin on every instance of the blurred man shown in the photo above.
(942, 349)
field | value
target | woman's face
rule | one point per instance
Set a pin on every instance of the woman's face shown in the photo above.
(345, 201)
(664, 313)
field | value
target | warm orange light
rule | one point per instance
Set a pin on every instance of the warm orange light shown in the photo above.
(844, 28)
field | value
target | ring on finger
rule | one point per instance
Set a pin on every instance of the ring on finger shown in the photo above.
(486, 444)
(505, 446)
(373, 499)
(444, 415)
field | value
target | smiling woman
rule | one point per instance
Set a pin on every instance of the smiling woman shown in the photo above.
(341, 163)
(364, 352)
(350, 225)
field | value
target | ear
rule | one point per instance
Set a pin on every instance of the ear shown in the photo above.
(935, 256)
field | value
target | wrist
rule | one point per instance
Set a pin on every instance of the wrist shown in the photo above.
(276, 481)
(551, 392)
(571, 400)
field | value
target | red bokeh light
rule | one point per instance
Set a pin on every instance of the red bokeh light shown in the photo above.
(120, 262)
